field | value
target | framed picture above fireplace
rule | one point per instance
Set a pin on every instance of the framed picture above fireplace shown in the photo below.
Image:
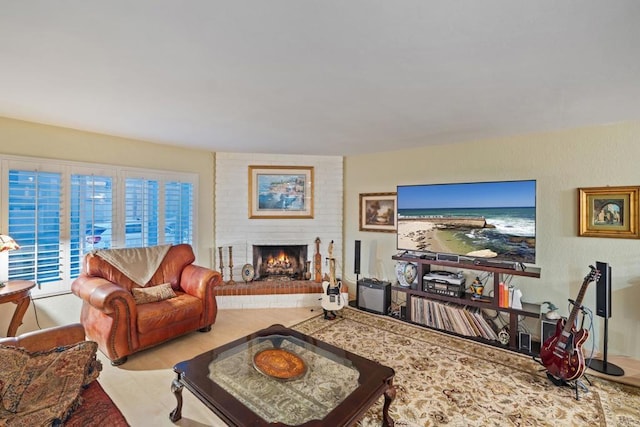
(277, 192)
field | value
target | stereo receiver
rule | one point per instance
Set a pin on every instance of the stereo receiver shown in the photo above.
(444, 283)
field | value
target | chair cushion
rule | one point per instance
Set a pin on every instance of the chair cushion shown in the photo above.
(43, 388)
(161, 314)
(153, 293)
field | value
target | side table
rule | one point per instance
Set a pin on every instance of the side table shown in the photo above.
(19, 293)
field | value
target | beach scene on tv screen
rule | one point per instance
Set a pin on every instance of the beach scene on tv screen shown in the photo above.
(486, 219)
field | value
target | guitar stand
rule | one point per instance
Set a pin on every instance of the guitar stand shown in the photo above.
(577, 385)
(329, 314)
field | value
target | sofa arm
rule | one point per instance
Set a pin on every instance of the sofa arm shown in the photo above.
(199, 281)
(46, 339)
(101, 294)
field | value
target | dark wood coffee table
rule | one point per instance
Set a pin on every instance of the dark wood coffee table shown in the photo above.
(333, 387)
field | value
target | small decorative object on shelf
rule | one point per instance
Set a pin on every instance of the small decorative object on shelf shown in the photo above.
(552, 313)
(503, 335)
(516, 300)
(411, 273)
(307, 271)
(406, 273)
(248, 272)
(477, 287)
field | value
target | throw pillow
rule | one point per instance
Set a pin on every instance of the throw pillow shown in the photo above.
(43, 388)
(153, 293)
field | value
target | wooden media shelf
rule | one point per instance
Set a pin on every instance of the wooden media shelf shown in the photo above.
(444, 312)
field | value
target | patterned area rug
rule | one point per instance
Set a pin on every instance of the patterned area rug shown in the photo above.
(97, 410)
(444, 380)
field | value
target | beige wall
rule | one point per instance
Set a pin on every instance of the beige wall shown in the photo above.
(29, 139)
(560, 162)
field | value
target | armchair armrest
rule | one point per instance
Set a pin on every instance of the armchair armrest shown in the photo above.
(109, 316)
(199, 281)
(46, 339)
(101, 294)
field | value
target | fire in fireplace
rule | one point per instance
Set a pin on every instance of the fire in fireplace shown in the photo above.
(279, 262)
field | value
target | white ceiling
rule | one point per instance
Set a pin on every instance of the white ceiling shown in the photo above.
(319, 77)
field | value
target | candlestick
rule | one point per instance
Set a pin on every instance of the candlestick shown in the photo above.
(231, 265)
(221, 264)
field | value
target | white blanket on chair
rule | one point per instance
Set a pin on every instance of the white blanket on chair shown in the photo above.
(138, 264)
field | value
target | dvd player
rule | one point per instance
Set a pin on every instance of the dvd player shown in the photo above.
(509, 265)
(444, 277)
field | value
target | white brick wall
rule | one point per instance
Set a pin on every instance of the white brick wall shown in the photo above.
(234, 228)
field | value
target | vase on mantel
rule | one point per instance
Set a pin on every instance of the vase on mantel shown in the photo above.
(307, 271)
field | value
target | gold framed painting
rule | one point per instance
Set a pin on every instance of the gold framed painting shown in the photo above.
(608, 212)
(277, 192)
(378, 212)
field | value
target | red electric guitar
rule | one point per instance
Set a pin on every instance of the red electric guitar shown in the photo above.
(562, 353)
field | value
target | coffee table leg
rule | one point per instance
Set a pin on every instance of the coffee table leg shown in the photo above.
(176, 388)
(389, 395)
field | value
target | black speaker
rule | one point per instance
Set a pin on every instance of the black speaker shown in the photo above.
(374, 296)
(548, 329)
(603, 309)
(524, 341)
(603, 290)
(356, 258)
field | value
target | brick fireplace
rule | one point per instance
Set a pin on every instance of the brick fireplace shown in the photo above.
(279, 275)
(279, 262)
(286, 286)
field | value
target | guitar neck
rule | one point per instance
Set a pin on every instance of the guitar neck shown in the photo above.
(578, 302)
(332, 271)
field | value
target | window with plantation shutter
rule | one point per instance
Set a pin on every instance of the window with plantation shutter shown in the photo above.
(58, 211)
(178, 208)
(34, 221)
(91, 217)
(141, 212)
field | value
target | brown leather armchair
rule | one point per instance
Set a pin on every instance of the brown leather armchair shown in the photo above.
(111, 317)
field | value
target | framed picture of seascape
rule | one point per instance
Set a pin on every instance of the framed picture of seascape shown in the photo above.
(277, 192)
(608, 212)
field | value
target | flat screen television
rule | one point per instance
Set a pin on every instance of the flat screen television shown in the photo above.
(478, 219)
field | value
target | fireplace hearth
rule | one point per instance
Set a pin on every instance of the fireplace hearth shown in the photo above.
(279, 262)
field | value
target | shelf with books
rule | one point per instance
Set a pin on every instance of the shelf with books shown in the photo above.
(420, 303)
